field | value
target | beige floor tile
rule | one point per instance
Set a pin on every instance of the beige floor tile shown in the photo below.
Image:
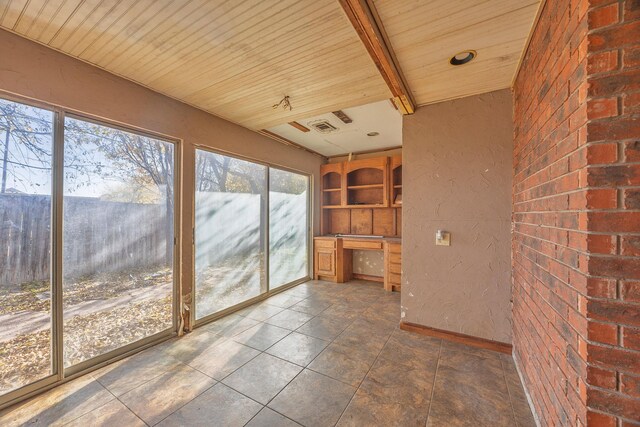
(223, 359)
(270, 418)
(156, 399)
(337, 363)
(323, 327)
(59, 405)
(133, 371)
(261, 336)
(261, 311)
(113, 413)
(283, 300)
(289, 319)
(219, 406)
(189, 346)
(310, 307)
(402, 384)
(312, 399)
(263, 377)
(369, 410)
(230, 325)
(298, 348)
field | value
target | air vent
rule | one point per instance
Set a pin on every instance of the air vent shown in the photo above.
(323, 126)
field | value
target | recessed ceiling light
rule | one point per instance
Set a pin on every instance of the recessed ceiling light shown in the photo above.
(463, 57)
(373, 134)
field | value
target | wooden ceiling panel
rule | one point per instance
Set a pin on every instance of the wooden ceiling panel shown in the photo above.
(426, 34)
(233, 58)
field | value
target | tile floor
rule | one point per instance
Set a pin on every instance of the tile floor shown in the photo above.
(319, 354)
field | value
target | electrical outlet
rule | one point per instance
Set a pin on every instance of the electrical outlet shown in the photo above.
(443, 238)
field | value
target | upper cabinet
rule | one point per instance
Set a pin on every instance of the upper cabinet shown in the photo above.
(331, 185)
(395, 183)
(366, 183)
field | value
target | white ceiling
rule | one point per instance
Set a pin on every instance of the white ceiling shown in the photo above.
(379, 117)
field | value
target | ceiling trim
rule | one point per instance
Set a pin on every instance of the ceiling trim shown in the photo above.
(365, 20)
(286, 141)
(528, 42)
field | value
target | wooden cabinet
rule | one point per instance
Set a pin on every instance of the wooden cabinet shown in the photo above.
(330, 262)
(331, 177)
(366, 183)
(392, 266)
(395, 182)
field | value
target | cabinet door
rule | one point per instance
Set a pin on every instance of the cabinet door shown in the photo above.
(325, 262)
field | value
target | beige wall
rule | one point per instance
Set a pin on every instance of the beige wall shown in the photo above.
(457, 171)
(31, 70)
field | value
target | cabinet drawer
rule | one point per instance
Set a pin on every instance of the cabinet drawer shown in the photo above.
(395, 268)
(395, 258)
(394, 278)
(361, 244)
(322, 243)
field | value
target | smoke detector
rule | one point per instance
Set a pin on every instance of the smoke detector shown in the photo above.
(322, 126)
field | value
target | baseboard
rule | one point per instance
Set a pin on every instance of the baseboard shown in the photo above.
(367, 277)
(456, 337)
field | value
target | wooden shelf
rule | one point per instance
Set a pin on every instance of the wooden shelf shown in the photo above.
(330, 190)
(362, 187)
(333, 207)
(380, 205)
(397, 186)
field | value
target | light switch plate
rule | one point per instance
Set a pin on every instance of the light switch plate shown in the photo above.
(446, 239)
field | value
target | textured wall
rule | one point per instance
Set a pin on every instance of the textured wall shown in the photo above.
(457, 177)
(32, 70)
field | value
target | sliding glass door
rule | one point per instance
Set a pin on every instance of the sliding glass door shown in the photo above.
(26, 159)
(230, 220)
(118, 238)
(247, 216)
(87, 244)
(288, 227)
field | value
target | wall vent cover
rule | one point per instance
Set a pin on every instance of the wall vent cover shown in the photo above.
(323, 126)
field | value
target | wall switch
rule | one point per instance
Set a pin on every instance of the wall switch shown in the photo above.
(443, 238)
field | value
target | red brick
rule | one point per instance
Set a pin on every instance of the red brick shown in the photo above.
(597, 419)
(602, 62)
(614, 403)
(630, 245)
(615, 312)
(612, 37)
(631, 338)
(630, 291)
(614, 358)
(604, 333)
(603, 16)
(602, 108)
(631, 197)
(631, 57)
(632, 151)
(630, 385)
(602, 378)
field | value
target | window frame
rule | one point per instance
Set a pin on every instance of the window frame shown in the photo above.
(269, 292)
(59, 374)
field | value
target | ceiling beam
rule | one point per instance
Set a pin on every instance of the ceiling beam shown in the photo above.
(365, 20)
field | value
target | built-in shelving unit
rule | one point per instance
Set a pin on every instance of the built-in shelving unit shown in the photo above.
(395, 174)
(360, 197)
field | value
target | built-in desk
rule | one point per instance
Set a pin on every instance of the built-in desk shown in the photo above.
(333, 258)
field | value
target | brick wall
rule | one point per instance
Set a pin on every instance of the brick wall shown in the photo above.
(549, 197)
(613, 173)
(576, 214)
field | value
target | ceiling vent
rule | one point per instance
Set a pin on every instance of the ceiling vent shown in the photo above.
(323, 126)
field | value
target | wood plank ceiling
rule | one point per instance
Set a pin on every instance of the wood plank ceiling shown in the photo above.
(425, 35)
(234, 58)
(237, 58)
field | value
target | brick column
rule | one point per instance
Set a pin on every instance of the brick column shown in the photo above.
(613, 223)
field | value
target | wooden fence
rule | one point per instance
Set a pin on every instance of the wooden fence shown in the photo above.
(100, 236)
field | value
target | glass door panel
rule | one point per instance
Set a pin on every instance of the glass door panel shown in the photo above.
(118, 239)
(26, 144)
(230, 238)
(288, 227)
